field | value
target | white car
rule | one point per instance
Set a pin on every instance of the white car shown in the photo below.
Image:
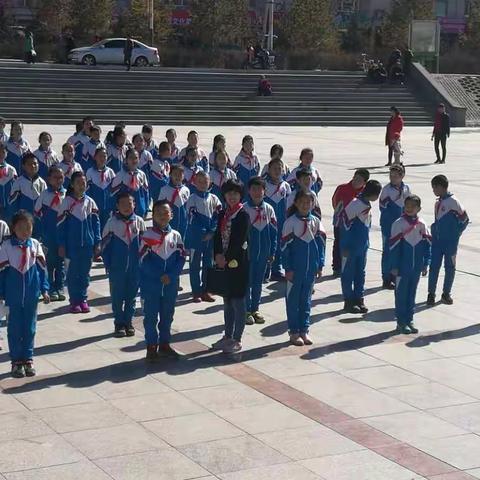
(110, 51)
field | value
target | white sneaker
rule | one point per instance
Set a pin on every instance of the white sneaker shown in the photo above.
(232, 347)
(306, 339)
(297, 340)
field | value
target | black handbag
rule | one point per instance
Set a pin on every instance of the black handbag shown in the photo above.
(217, 282)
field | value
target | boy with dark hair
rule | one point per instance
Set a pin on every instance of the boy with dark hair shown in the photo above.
(410, 255)
(342, 196)
(451, 219)
(355, 224)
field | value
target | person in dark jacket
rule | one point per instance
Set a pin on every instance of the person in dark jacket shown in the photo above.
(441, 131)
(231, 254)
(127, 52)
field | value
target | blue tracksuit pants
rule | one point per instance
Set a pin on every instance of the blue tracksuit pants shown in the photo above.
(123, 290)
(78, 274)
(405, 291)
(159, 309)
(386, 263)
(21, 328)
(298, 299)
(200, 260)
(353, 275)
(439, 254)
(258, 267)
(56, 270)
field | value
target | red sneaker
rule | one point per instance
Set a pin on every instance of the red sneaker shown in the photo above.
(206, 297)
(75, 308)
(84, 308)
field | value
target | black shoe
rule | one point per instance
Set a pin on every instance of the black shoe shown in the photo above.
(130, 330)
(388, 285)
(119, 331)
(404, 329)
(412, 328)
(447, 299)
(431, 299)
(337, 273)
(166, 351)
(18, 370)
(437, 161)
(29, 369)
(152, 355)
(361, 305)
(350, 307)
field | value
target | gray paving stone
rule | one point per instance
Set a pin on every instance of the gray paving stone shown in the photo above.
(286, 471)
(130, 388)
(81, 470)
(22, 425)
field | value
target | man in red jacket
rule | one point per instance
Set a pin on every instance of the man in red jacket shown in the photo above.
(394, 126)
(343, 195)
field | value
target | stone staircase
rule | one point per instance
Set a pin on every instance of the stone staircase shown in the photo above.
(63, 94)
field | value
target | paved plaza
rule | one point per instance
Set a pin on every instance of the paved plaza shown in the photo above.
(361, 404)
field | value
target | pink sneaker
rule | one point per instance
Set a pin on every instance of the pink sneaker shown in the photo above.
(75, 308)
(84, 308)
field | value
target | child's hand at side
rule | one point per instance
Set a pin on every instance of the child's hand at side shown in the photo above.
(165, 279)
(46, 297)
(319, 273)
(289, 276)
(425, 272)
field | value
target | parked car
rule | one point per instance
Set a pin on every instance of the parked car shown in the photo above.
(110, 51)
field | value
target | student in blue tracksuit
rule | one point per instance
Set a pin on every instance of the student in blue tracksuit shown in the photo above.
(117, 150)
(262, 244)
(159, 170)
(191, 167)
(17, 146)
(220, 173)
(410, 255)
(46, 210)
(120, 252)
(68, 165)
(78, 230)
(99, 180)
(203, 208)
(171, 136)
(277, 191)
(27, 187)
(91, 147)
(177, 195)
(46, 156)
(276, 151)
(219, 145)
(133, 180)
(304, 182)
(306, 163)
(355, 225)
(7, 176)
(80, 139)
(23, 278)
(200, 156)
(391, 203)
(451, 219)
(246, 164)
(150, 144)
(303, 247)
(3, 135)
(145, 158)
(162, 257)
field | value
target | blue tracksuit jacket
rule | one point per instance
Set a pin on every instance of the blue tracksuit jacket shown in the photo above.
(7, 176)
(218, 178)
(46, 159)
(316, 182)
(135, 183)
(246, 167)
(98, 188)
(24, 193)
(15, 152)
(177, 197)
(158, 176)
(68, 169)
(116, 155)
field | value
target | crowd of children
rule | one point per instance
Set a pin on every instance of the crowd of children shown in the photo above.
(58, 215)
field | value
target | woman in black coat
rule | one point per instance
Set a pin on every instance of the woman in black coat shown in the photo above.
(231, 254)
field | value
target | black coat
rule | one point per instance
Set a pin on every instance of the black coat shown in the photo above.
(444, 125)
(236, 278)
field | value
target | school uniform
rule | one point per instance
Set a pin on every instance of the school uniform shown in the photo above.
(303, 253)
(201, 160)
(174, 154)
(24, 193)
(262, 244)
(120, 253)
(78, 230)
(177, 198)
(46, 159)
(285, 171)
(98, 188)
(79, 140)
(8, 174)
(276, 195)
(4, 232)
(316, 210)
(145, 160)
(135, 183)
(354, 239)
(23, 278)
(203, 209)
(68, 169)
(3, 138)
(316, 182)
(88, 154)
(161, 253)
(15, 152)
(410, 242)
(451, 219)
(246, 167)
(46, 210)
(211, 160)
(391, 201)
(158, 176)
(116, 156)
(151, 147)
(218, 178)
(190, 174)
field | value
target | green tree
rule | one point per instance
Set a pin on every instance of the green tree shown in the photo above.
(220, 22)
(471, 39)
(311, 25)
(92, 17)
(56, 15)
(397, 22)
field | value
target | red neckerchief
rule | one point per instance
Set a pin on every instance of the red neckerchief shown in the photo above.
(277, 189)
(305, 225)
(128, 232)
(45, 156)
(102, 175)
(229, 213)
(57, 197)
(23, 261)
(248, 157)
(153, 242)
(75, 203)
(3, 171)
(411, 225)
(133, 181)
(71, 165)
(259, 210)
(176, 193)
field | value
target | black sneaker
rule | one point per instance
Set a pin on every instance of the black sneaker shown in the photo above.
(388, 285)
(29, 369)
(18, 370)
(119, 331)
(151, 356)
(130, 330)
(437, 161)
(337, 273)
(412, 328)
(350, 307)
(61, 296)
(166, 351)
(361, 305)
(54, 296)
(431, 299)
(447, 299)
(404, 329)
